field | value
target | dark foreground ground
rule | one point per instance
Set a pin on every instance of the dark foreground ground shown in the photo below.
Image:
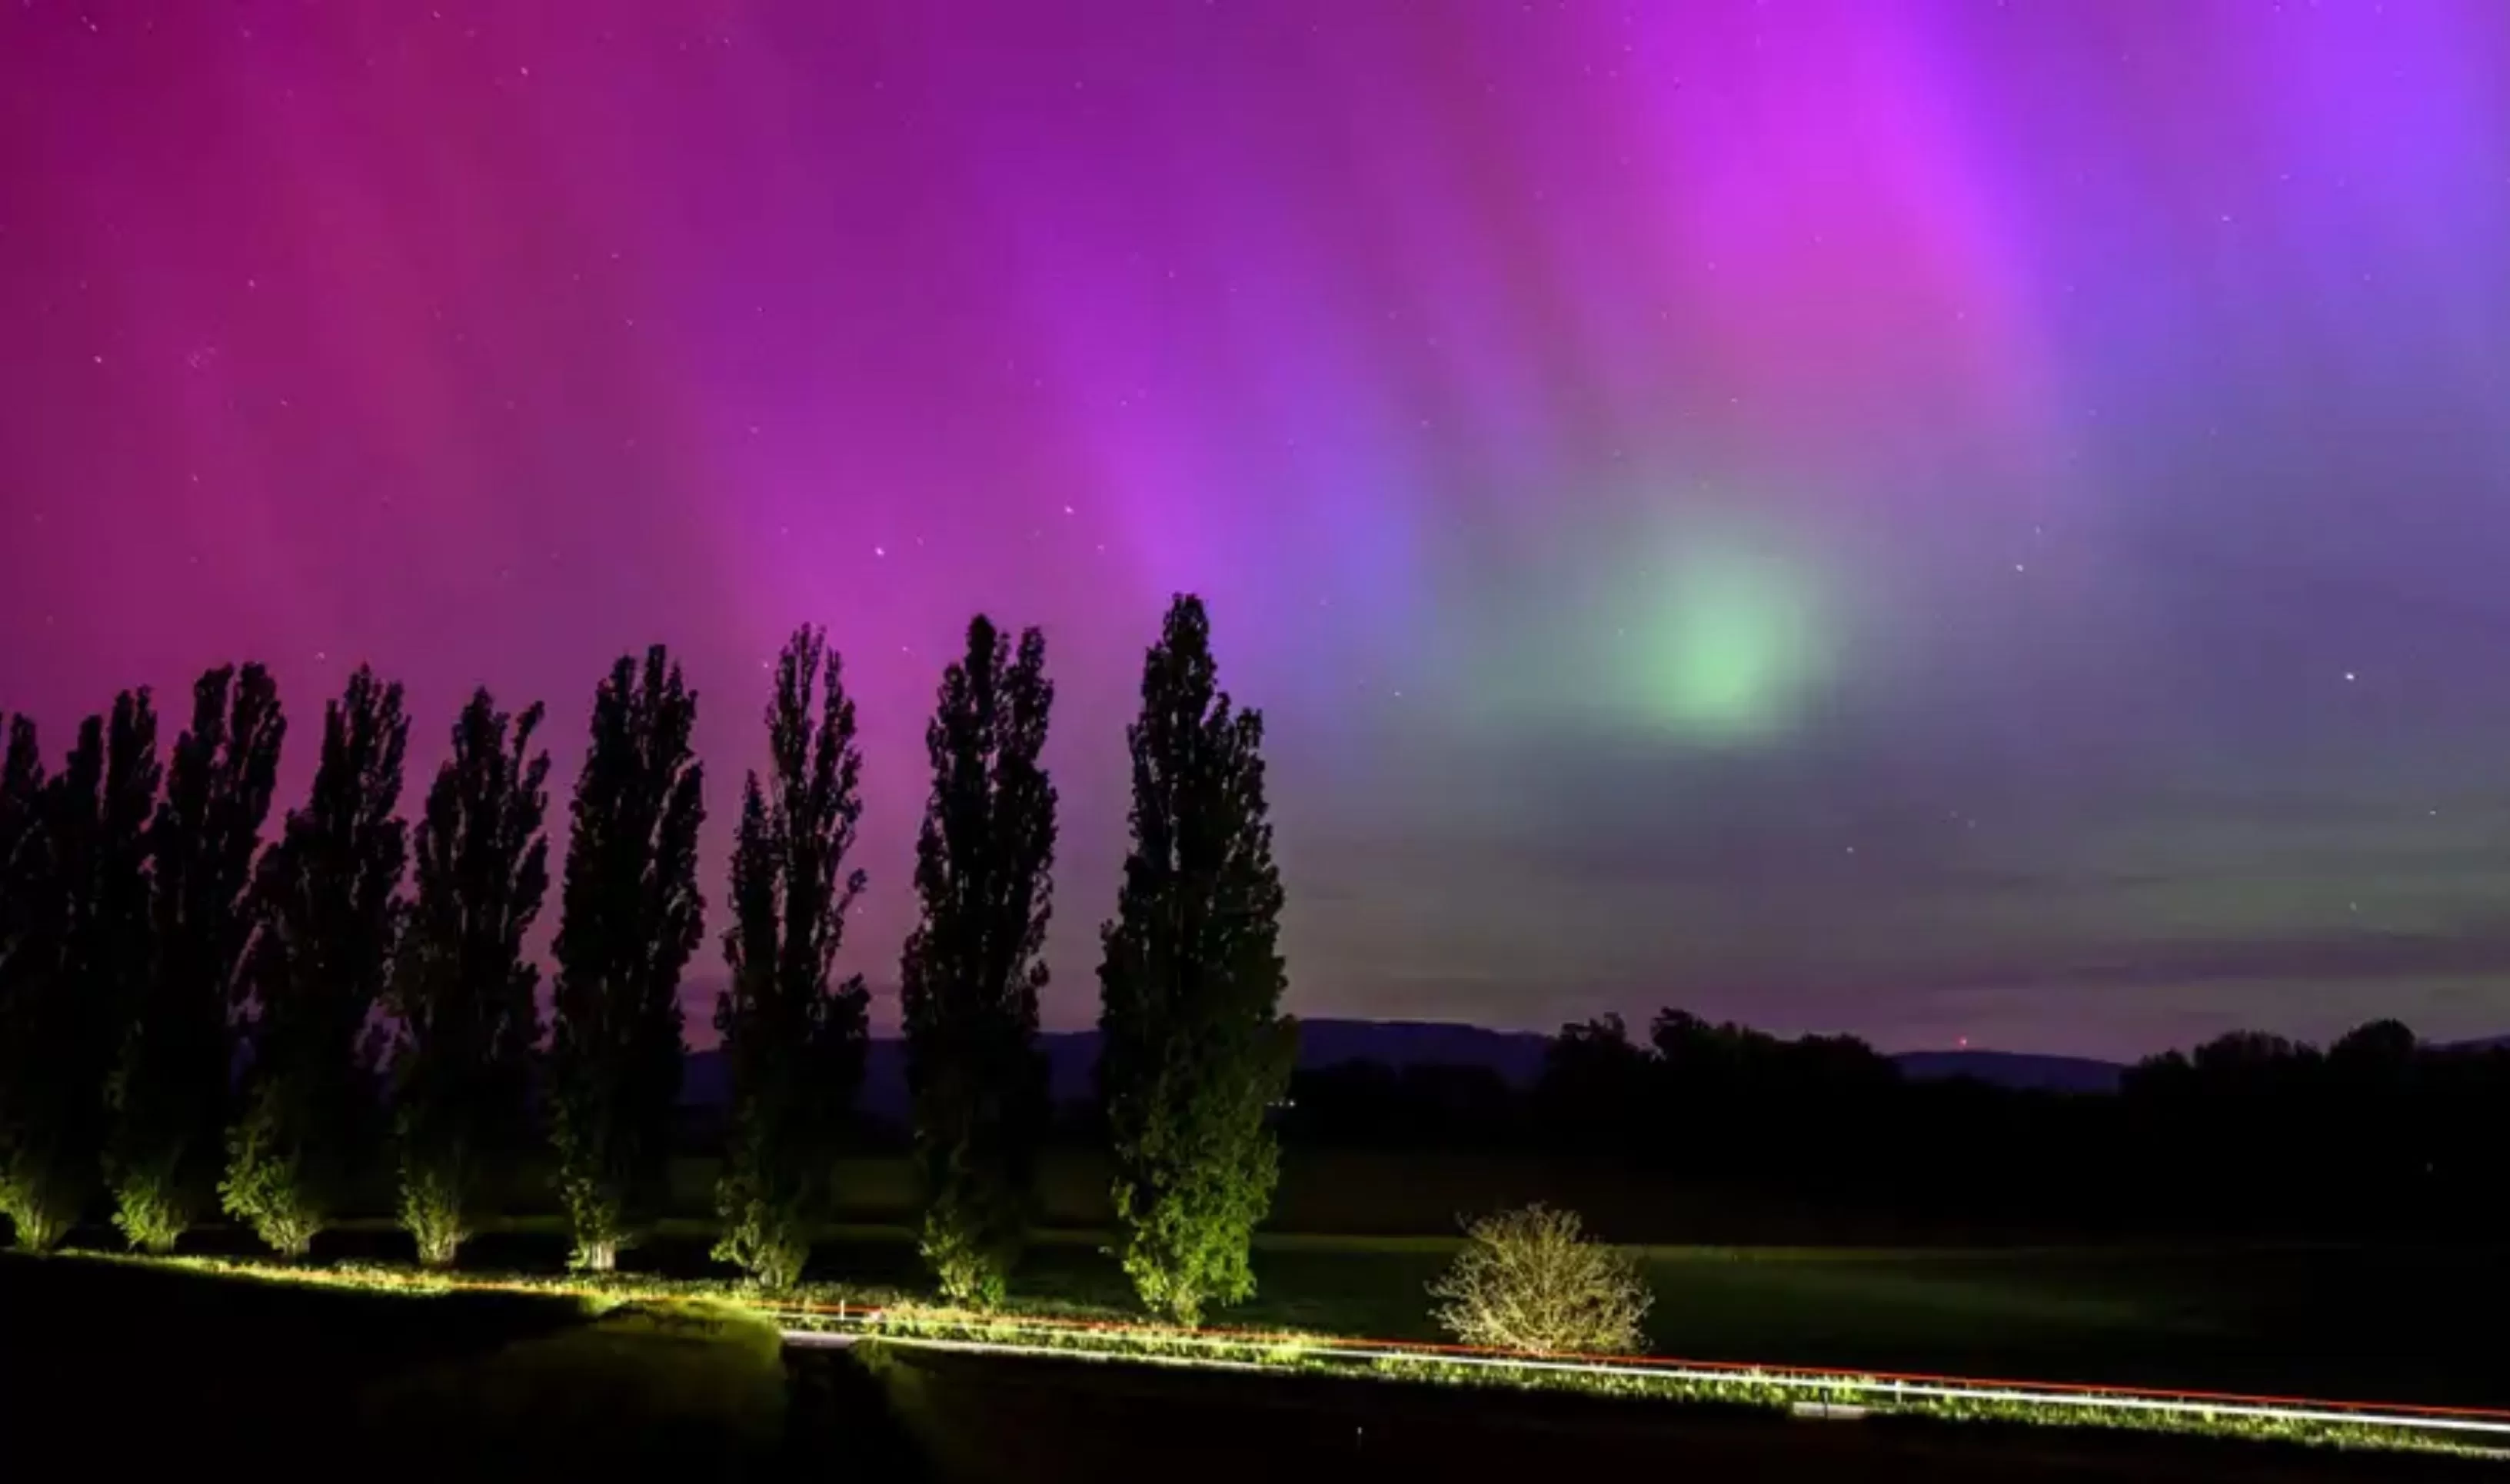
(127, 1372)
(973, 1419)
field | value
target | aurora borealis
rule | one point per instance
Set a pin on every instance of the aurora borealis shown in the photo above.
(1933, 519)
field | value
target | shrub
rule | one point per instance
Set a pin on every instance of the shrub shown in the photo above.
(432, 1207)
(1531, 1281)
(265, 1185)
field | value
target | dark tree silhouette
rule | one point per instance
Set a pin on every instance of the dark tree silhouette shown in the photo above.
(327, 903)
(1193, 1048)
(36, 997)
(169, 1091)
(634, 915)
(461, 991)
(975, 965)
(91, 896)
(1594, 1084)
(794, 1045)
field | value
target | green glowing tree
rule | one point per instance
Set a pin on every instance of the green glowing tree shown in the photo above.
(634, 916)
(461, 991)
(169, 1091)
(793, 1043)
(328, 909)
(1193, 1046)
(975, 965)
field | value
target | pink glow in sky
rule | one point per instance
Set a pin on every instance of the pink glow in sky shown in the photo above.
(1850, 515)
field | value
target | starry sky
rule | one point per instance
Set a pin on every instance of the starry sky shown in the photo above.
(1934, 519)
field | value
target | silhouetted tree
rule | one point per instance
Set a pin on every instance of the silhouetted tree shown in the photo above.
(2371, 1120)
(34, 993)
(327, 903)
(1193, 1048)
(461, 991)
(2382, 1049)
(1421, 1105)
(794, 1047)
(1593, 1088)
(975, 965)
(634, 915)
(89, 894)
(169, 1092)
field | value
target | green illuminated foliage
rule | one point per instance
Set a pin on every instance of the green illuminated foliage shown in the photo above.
(1532, 1281)
(461, 991)
(793, 1043)
(972, 970)
(327, 903)
(1193, 1048)
(169, 1091)
(634, 916)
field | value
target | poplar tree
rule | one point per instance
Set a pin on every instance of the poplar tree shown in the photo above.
(34, 993)
(327, 898)
(74, 954)
(975, 965)
(461, 991)
(794, 1045)
(634, 917)
(169, 1092)
(1193, 1046)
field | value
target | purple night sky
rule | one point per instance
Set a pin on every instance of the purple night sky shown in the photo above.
(1927, 517)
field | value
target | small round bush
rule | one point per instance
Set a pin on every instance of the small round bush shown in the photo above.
(1533, 1282)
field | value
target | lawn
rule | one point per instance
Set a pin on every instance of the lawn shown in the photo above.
(334, 1380)
(2354, 1323)
(131, 1369)
(2358, 1324)
(1367, 1191)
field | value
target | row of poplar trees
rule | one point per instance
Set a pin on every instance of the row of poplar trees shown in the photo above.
(189, 1017)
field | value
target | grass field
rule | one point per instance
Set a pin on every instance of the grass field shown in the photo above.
(1343, 1252)
(2367, 1324)
(2358, 1324)
(542, 1386)
(1374, 1191)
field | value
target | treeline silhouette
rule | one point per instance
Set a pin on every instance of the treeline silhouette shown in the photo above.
(194, 1019)
(2248, 1134)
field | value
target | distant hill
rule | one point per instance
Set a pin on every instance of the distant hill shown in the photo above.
(1516, 1055)
(1072, 1056)
(2019, 1070)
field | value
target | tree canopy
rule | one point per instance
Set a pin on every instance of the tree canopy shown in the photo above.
(632, 917)
(170, 1090)
(461, 990)
(1194, 1048)
(794, 1045)
(975, 965)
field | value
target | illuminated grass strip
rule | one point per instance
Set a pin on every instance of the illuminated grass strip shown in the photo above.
(2352, 1424)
